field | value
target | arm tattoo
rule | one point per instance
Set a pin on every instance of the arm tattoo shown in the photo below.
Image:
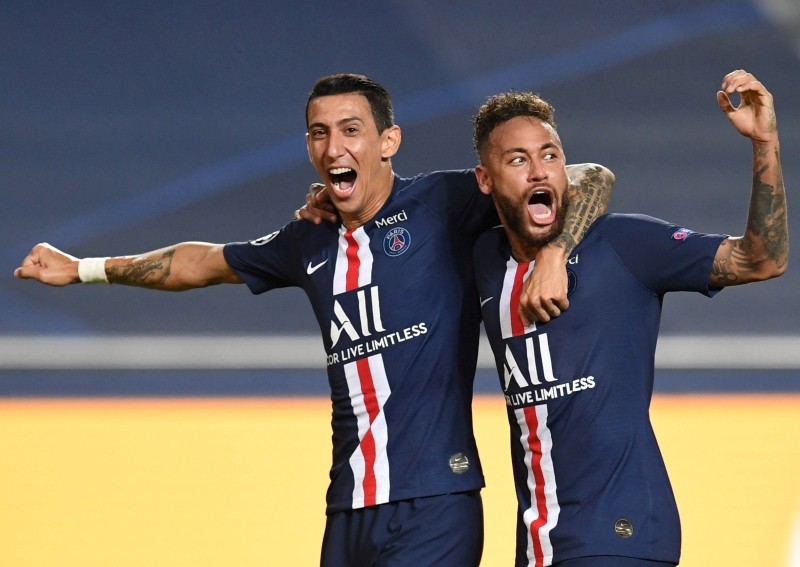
(731, 262)
(765, 240)
(143, 272)
(767, 221)
(587, 201)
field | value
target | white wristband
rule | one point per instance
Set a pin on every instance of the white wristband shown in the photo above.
(92, 270)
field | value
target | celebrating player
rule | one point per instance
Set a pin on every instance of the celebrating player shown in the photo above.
(591, 485)
(391, 285)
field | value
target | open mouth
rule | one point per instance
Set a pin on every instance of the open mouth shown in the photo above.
(343, 180)
(540, 207)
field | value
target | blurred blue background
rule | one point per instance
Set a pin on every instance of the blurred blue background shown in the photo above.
(130, 126)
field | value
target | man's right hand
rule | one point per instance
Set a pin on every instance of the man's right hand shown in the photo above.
(318, 206)
(48, 265)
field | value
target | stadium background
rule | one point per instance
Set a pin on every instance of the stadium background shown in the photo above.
(171, 429)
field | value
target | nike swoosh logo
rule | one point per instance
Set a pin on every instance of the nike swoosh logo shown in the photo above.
(311, 268)
(485, 301)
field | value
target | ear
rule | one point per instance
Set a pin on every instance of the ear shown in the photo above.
(308, 148)
(484, 180)
(390, 141)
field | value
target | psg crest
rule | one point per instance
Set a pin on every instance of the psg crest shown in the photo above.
(572, 282)
(396, 241)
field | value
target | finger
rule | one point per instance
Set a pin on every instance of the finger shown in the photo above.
(318, 194)
(724, 102)
(732, 79)
(320, 213)
(324, 213)
(562, 303)
(553, 311)
(536, 316)
(304, 214)
(533, 314)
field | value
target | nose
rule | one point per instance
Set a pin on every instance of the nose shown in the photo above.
(335, 145)
(537, 171)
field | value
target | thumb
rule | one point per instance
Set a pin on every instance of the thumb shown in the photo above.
(24, 272)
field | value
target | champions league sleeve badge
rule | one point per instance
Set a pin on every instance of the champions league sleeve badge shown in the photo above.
(682, 234)
(396, 241)
(264, 239)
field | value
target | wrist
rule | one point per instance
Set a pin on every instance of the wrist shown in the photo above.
(766, 143)
(554, 251)
(92, 270)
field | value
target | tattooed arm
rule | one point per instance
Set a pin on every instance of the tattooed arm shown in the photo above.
(180, 267)
(763, 251)
(544, 294)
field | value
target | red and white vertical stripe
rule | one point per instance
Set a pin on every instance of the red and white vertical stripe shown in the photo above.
(542, 516)
(510, 322)
(366, 379)
(353, 261)
(369, 390)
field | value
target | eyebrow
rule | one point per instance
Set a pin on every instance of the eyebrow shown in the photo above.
(521, 150)
(340, 123)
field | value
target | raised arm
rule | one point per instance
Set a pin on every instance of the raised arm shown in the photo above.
(544, 295)
(762, 252)
(187, 265)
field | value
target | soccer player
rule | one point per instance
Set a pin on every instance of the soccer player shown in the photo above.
(591, 485)
(391, 285)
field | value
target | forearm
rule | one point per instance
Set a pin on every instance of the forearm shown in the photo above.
(180, 267)
(762, 251)
(767, 227)
(588, 196)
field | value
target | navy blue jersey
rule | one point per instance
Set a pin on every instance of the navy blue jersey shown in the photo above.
(589, 476)
(396, 303)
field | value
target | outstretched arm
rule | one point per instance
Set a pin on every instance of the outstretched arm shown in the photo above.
(180, 267)
(763, 251)
(544, 295)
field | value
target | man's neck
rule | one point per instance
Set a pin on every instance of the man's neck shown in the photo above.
(522, 253)
(372, 206)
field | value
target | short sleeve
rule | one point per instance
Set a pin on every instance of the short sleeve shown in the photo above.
(266, 263)
(662, 256)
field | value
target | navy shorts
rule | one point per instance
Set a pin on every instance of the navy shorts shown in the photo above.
(611, 561)
(440, 531)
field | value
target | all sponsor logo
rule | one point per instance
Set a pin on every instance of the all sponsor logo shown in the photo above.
(364, 327)
(535, 382)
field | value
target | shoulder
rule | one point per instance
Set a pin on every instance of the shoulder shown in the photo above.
(456, 179)
(491, 243)
(620, 220)
(622, 226)
(642, 226)
(293, 236)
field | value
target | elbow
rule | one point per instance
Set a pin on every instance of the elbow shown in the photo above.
(780, 269)
(608, 175)
(771, 270)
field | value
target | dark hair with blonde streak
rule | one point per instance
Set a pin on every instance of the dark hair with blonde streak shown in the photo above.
(501, 108)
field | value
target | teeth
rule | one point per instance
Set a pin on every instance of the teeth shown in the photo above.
(339, 170)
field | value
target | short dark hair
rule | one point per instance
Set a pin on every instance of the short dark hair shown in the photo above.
(501, 108)
(345, 83)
